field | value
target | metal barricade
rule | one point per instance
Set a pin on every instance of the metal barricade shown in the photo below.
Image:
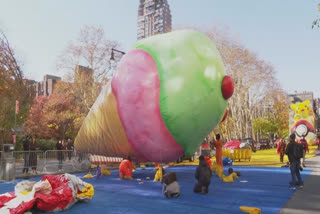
(60, 161)
(29, 162)
(82, 161)
(49, 162)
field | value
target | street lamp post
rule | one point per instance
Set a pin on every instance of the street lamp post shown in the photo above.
(115, 50)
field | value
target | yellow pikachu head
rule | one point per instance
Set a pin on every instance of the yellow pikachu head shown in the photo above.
(303, 108)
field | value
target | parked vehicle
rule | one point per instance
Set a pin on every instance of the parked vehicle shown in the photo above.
(186, 157)
(265, 143)
(251, 143)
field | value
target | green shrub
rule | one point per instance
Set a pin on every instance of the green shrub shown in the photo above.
(44, 144)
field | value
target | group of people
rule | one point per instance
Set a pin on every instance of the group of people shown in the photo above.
(282, 145)
(203, 172)
(61, 146)
(171, 187)
(295, 150)
(30, 147)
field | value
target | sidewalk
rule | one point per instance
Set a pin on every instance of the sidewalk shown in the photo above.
(306, 200)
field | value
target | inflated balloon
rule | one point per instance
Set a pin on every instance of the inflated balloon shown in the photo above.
(167, 94)
(303, 121)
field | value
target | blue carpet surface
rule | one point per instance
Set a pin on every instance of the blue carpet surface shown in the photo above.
(266, 188)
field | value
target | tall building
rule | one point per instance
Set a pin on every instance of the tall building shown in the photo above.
(83, 74)
(154, 17)
(31, 86)
(46, 87)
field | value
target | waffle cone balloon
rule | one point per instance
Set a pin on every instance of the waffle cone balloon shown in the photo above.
(167, 94)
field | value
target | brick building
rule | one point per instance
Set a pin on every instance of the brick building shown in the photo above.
(46, 87)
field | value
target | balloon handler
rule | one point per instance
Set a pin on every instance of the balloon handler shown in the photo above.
(125, 169)
(203, 175)
(170, 185)
(160, 172)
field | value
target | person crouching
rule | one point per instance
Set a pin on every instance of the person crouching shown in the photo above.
(125, 169)
(203, 175)
(170, 186)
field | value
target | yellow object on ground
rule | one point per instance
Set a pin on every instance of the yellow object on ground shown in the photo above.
(270, 158)
(24, 193)
(105, 171)
(171, 164)
(237, 154)
(227, 179)
(264, 158)
(219, 171)
(158, 175)
(250, 210)
(234, 175)
(88, 176)
(86, 192)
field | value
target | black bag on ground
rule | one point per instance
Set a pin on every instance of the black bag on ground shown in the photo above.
(169, 177)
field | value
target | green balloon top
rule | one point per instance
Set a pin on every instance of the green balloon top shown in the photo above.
(191, 73)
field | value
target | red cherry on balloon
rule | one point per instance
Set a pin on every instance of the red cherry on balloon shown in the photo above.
(227, 87)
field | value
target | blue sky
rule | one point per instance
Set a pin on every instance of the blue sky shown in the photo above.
(278, 31)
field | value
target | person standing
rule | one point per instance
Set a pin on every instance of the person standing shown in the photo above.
(305, 148)
(281, 149)
(69, 148)
(203, 175)
(59, 147)
(318, 142)
(205, 149)
(294, 152)
(218, 145)
(26, 144)
(64, 148)
(33, 155)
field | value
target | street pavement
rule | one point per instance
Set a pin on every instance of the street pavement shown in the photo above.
(306, 200)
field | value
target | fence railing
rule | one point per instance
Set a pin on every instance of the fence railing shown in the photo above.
(50, 161)
(28, 161)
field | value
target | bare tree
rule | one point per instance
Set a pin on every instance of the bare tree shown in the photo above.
(316, 22)
(91, 49)
(252, 77)
(8, 64)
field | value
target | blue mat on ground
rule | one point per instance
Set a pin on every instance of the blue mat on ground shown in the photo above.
(266, 188)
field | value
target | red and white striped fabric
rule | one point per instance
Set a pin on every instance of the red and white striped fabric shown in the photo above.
(98, 159)
(52, 193)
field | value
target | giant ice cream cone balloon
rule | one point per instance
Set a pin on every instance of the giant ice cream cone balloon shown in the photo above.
(167, 94)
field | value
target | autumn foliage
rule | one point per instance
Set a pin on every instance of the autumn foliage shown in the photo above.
(12, 88)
